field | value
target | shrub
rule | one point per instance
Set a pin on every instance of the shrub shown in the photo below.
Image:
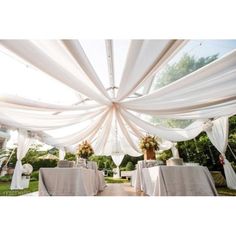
(107, 165)
(70, 156)
(100, 165)
(129, 166)
(6, 178)
(38, 163)
(132, 159)
(110, 180)
(106, 160)
(35, 176)
(164, 156)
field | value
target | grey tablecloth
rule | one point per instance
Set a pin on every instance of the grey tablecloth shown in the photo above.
(133, 178)
(100, 180)
(67, 182)
(178, 181)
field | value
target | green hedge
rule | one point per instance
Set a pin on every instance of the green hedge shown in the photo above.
(130, 166)
(6, 178)
(35, 176)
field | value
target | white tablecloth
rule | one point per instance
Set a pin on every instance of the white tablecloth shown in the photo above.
(178, 181)
(100, 180)
(133, 178)
(137, 178)
(67, 182)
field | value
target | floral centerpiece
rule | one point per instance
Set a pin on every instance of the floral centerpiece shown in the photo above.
(85, 150)
(148, 145)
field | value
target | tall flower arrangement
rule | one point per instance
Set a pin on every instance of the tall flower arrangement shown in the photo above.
(85, 150)
(148, 142)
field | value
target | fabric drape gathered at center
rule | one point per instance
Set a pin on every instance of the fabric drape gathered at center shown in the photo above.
(208, 92)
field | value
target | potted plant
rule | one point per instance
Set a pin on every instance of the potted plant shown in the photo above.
(149, 145)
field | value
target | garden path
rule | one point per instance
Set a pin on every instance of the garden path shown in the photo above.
(120, 190)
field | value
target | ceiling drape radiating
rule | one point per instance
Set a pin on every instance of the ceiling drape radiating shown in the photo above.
(33, 54)
(144, 57)
(99, 115)
(206, 93)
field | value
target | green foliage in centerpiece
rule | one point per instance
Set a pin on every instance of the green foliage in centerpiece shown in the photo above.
(148, 142)
(85, 150)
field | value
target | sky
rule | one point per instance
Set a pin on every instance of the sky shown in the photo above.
(204, 48)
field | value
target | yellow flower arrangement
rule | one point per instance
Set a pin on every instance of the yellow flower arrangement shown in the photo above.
(85, 150)
(148, 142)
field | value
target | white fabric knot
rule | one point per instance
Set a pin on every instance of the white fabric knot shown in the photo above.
(207, 126)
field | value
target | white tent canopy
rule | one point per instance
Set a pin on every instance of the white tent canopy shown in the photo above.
(111, 108)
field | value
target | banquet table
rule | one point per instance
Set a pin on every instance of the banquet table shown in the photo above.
(178, 181)
(68, 182)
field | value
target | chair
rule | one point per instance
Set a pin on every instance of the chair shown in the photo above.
(65, 164)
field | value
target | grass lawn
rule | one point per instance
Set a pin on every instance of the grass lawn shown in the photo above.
(5, 189)
(111, 180)
(226, 192)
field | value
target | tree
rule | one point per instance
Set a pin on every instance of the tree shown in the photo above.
(184, 66)
(107, 165)
(101, 165)
(128, 158)
(129, 166)
(70, 156)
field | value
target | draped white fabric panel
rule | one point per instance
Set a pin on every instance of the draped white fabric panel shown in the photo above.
(117, 159)
(40, 57)
(42, 120)
(126, 134)
(208, 92)
(75, 138)
(103, 135)
(172, 134)
(18, 102)
(218, 135)
(24, 142)
(165, 145)
(78, 54)
(144, 57)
